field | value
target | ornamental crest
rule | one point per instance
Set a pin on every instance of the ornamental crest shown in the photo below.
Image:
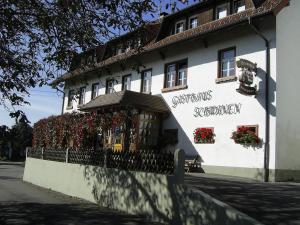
(246, 77)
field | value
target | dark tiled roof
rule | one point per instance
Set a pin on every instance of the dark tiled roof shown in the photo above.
(265, 8)
(143, 101)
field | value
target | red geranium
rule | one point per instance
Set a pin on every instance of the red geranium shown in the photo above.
(245, 135)
(204, 135)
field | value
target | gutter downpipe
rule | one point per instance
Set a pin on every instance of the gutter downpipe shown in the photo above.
(267, 101)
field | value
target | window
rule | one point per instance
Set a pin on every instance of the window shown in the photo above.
(179, 27)
(126, 82)
(81, 95)
(239, 6)
(227, 62)
(119, 50)
(95, 90)
(176, 74)
(193, 23)
(128, 46)
(110, 86)
(171, 75)
(70, 99)
(146, 81)
(222, 11)
(182, 74)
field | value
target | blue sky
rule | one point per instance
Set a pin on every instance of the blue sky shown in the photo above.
(45, 101)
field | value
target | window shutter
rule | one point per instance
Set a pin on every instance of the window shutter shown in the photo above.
(249, 4)
(205, 17)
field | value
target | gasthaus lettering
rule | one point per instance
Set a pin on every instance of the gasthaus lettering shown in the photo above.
(218, 110)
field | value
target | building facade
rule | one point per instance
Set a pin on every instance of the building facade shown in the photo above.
(215, 66)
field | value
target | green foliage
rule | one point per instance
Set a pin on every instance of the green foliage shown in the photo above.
(245, 136)
(4, 136)
(40, 38)
(19, 137)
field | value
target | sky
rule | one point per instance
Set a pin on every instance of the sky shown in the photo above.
(45, 101)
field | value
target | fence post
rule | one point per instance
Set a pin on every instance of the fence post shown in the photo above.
(179, 158)
(67, 155)
(26, 151)
(42, 153)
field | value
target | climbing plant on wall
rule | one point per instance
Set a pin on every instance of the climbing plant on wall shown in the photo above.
(69, 130)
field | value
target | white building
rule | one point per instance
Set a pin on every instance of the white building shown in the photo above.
(189, 58)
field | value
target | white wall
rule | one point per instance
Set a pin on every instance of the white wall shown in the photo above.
(202, 72)
(153, 195)
(288, 58)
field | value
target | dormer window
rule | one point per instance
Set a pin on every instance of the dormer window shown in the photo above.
(179, 26)
(128, 46)
(239, 6)
(222, 11)
(119, 50)
(193, 22)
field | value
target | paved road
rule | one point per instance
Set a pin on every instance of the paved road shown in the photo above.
(25, 204)
(269, 203)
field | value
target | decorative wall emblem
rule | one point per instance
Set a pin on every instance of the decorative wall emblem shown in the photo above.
(249, 70)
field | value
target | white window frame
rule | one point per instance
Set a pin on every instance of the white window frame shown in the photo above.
(236, 10)
(178, 22)
(110, 89)
(190, 24)
(81, 98)
(97, 90)
(227, 71)
(146, 83)
(126, 83)
(71, 95)
(225, 5)
(171, 76)
(119, 49)
(182, 80)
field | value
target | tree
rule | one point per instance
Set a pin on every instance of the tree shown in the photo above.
(39, 38)
(20, 137)
(4, 138)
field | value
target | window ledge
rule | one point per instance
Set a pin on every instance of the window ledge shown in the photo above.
(226, 79)
(69, 107)
(176, 88)
(147, 92)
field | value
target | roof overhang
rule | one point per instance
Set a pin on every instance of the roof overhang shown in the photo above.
(128, 99)
(266, 8)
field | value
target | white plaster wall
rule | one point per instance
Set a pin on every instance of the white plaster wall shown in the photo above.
(156, 196)
(288, 58)
(202, 72)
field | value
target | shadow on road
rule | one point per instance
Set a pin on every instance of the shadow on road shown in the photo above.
(266, 202)
(64, 214)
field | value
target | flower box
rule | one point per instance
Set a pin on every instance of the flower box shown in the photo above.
(204, 136)
(245, 135)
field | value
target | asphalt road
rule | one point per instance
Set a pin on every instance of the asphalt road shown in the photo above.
(269, 203)
(22, 203)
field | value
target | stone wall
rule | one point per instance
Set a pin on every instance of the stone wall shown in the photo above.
(158, 197)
